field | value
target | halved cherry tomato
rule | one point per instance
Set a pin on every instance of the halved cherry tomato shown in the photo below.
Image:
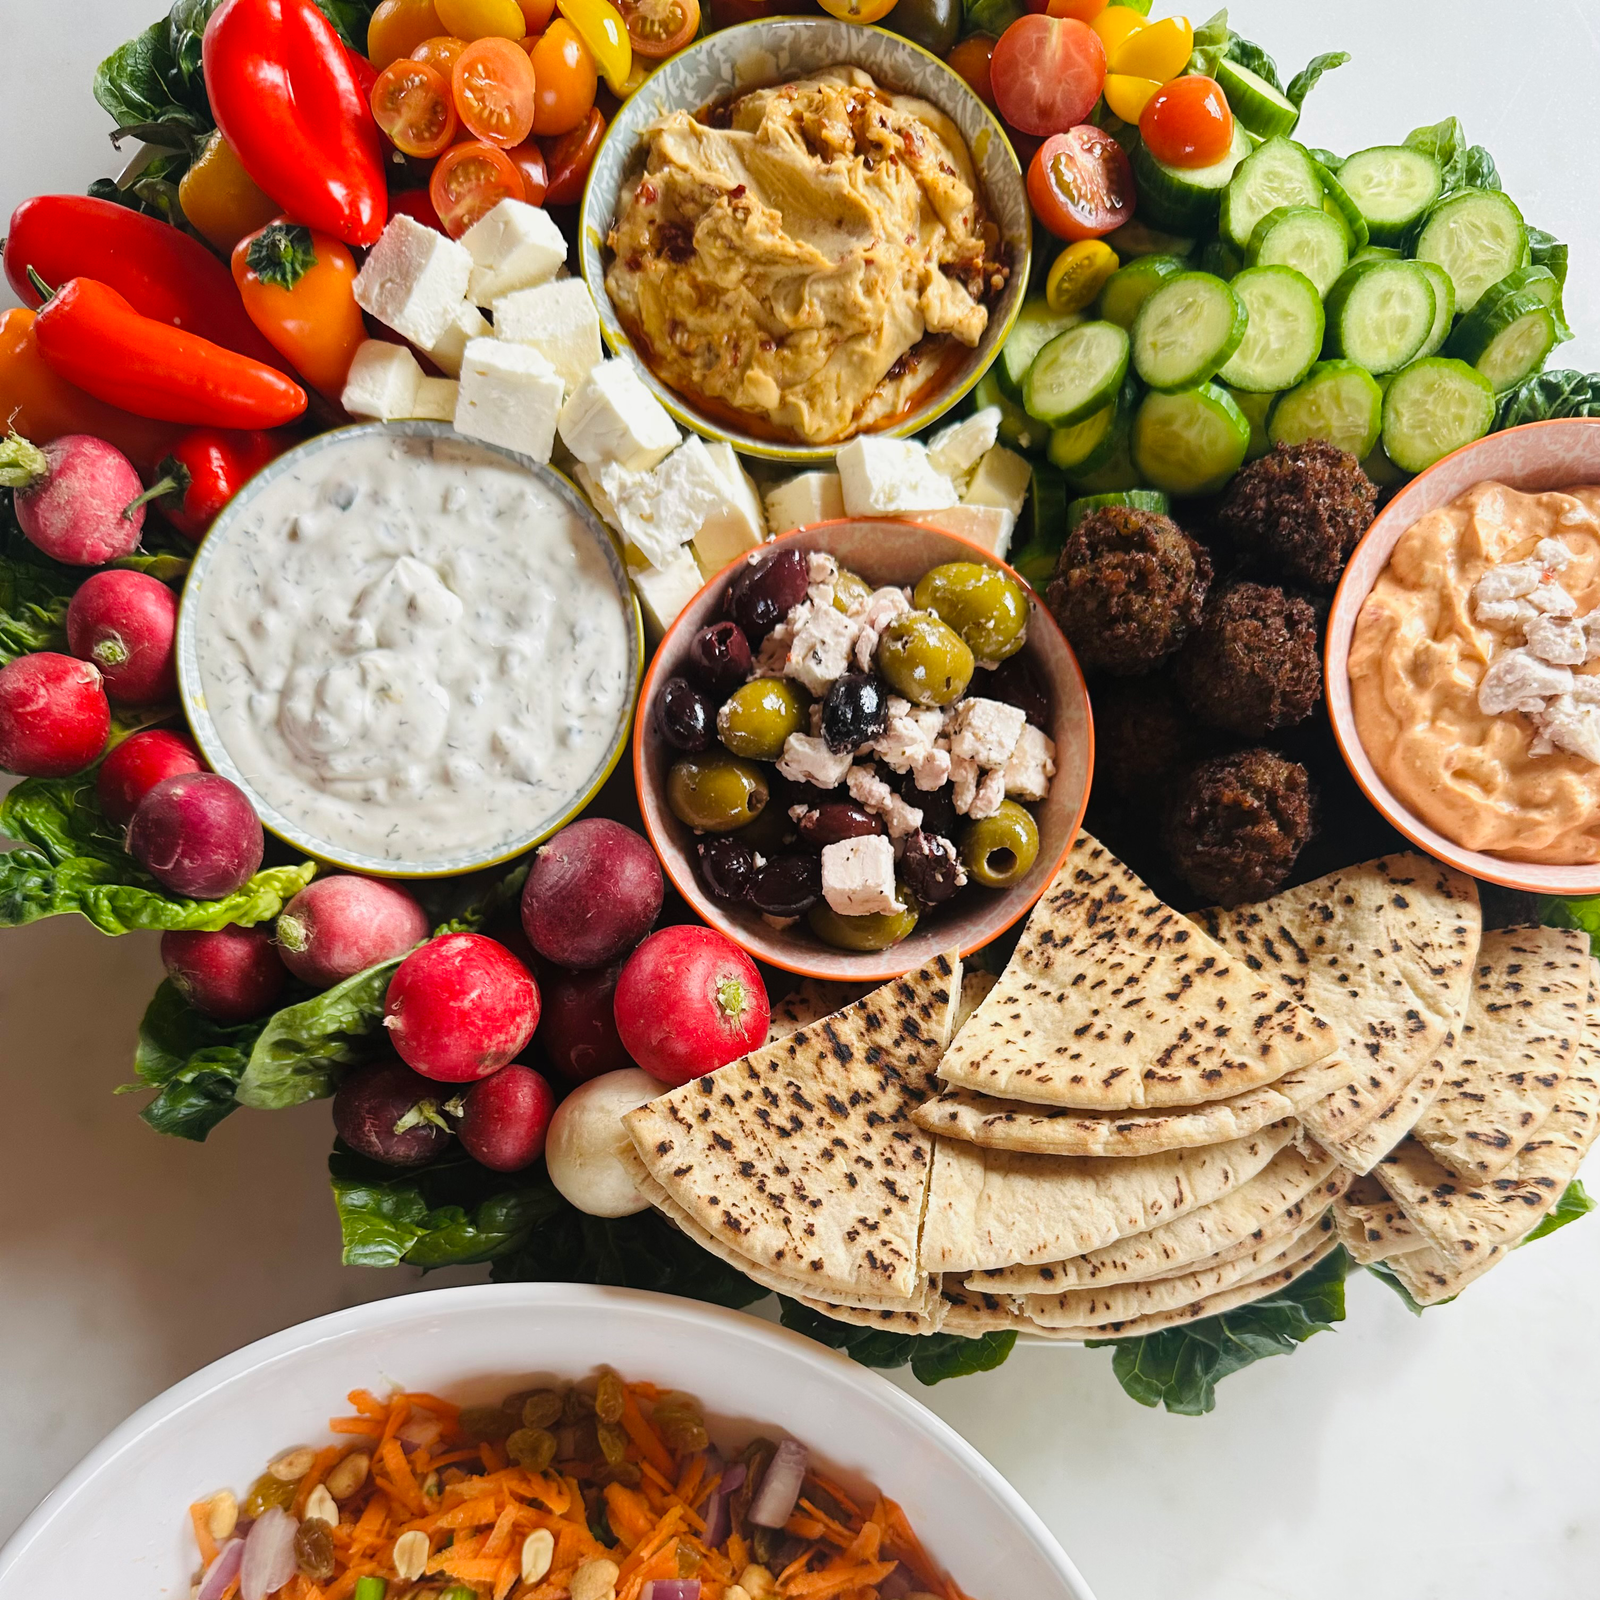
(1188, 123)
(1080, 184)
(469, 181)
(600, 26)
(412, 104)
(481, 19)
(660, 27)
(1047, 72)
(441, 53)
(537, 14)
(1083, 10)
(397, 28)
(569, 158)
(970, 59)
(417, 205)
(566, 76)
(863, 11)
(528, 159)
(494, 85)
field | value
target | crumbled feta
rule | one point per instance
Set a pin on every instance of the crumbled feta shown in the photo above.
(467, 324)
(773, 656)
(799, 502)
(820, 652)
(414, 280)
(871, 793)
(956, 451)
(1553, 554)
(986, 731)
(909, 736)
(611, 416)
(1002, 479)
(509, 396)
(1553, 600)
(875, 613)
(1557, 640)
(659, 510)
(664, 591)
(436, 399)
(1508, 582)
(821, 568)
(738, 524)
(963, 783)
(858, 876)
(1513, 614)
(989, 526)
(806, 759)
(598, 498)
(1031, 765)
(987, 798)
(514, 246)
(881, 476)
(1520, 681)
(556, 319)
(1571, 725)
(382, 382)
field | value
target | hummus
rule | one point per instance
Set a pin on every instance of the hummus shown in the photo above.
(1421, 650)
(809, 254)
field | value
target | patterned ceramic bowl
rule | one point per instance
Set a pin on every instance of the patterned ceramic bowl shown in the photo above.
(758, 53)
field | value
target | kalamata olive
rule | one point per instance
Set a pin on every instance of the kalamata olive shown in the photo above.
(930, 868)
(719, 657)
(855, 712)
(1016, 683)
(727, 865)
(686, 718)
(936, 805)
(837, 819)
(760, 596)
(787, 886)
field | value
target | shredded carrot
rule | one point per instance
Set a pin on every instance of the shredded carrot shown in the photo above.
(447, 1410)
(399, 1410)
(410, 1492)
(663, 1564)
(629, 1514)
(510, 1571)
(362, 1425)
(837, 1495)
(644, 1435)
(822, 1585)
(738, 1553)
(689, 1483)
(800, 1563)
(367, 1403)
(499, 1540)
(320, 1468)
(200, 1516)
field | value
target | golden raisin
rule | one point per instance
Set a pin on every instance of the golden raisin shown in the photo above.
(576, 1406)
(313, 1550)
(267, 1492)
(608, 1398)
(541, 1409)
(533, 1448)
(613, 1442)
(680, 1424)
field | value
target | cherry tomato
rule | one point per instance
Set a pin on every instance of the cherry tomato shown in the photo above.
(660, 27)
(469, 181)
(537, 14)
(1160, 51)
(858, 10)
(411, 103)
(601, 27)
(481, 19)
(970, 59)
(528, 159)
(1116, 24)
(417, 205)
(567, 81)
(1048, 72)
(1080, 184)
(1187, 123)
(441, 53)
(397, 28)
(495, 86)
(568, 159)
(1083, 10)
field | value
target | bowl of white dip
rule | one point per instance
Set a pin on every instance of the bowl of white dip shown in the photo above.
(417, 654)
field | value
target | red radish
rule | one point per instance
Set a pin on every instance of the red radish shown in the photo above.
(592, 894)
(690, 1001)
(197, 835)
(137, 765)
(126, 622)
(54, 717)
(78, 498)
(233, 974)
(506, 1118)
(341, 925)
(460, 1007)
(391, 1114)
(578, 1026)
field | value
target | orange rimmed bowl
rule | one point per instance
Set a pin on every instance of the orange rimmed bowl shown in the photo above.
(882, 552)
(1562, 454)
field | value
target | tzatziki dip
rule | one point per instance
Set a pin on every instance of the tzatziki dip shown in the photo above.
(412, 649)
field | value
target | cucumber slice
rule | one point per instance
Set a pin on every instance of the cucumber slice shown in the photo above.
(1129, 287)
(1035, 327)
(1435, 406)
(1391, 186)
(1221, 260)
(1541, 282)
(1376, 252)
(1444, 307)
(1133, 499)
(1045, 523)
(1191, 442)
(1088, 445)
(1256, 408)
(1115, 477)
(1506, 338)
(1338, 401)
(1283, 337)
(1477, 236)
(1280, 173)
(1262, 109)
(1185, 199)
(1186, 330)
(1017, 428)
(1077, 374)
(1381, 314)
(1136, 238)
(1337, 203)
(1382, 471)
(1302, 237)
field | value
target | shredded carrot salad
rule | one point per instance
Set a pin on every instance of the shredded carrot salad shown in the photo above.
(593, 1492)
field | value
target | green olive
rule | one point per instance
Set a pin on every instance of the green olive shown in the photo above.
(981, 603)
(849, 590)
(715, 794)
(758, 716)
(997, 851)
(875, 932)
(925, 659)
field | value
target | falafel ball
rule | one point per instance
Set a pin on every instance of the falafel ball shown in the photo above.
(1236, 824)
(1301, 508)
(1252, 665)
(1142, 736)
(1128, 588)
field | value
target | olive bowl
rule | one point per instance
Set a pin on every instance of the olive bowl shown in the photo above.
(883, 551)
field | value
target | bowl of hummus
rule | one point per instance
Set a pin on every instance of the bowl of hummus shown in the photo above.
(803, 229)
(1463, 659)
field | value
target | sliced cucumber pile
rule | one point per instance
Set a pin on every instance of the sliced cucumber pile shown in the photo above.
(1477, 236)
(1435, 406)
(1035, 327)
(1254, 102)
(1129, 287)
(1086, 446)
(1185, 199)
(1337, 203)
(1256, 408)
(1444, 307)
(1191, 442)
(1283, 331)
(1186, 331)
(1510, 333)
(1392, 186)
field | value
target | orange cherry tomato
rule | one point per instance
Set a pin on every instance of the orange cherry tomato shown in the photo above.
(469, 181)
(411, 103)
(495, 85)
(569, 159)
(1187, 123)
(441, 53)
(397, 28)
(660, 27)
(528, 159)
(537, 14)
(970, 60)
(566, 76)
(1083, 10)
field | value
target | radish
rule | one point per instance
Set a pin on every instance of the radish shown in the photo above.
(233, 974)
(137, 765)
(584, 1149)
(391, 1114)
(592, 894)
(505, 1119)
(690, 1001)
(197, 835)
(578, 1025)
(78, 498)
(126, 623)
(54, 716)
(342, 924)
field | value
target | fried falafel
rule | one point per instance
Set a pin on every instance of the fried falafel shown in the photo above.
(1252, 665)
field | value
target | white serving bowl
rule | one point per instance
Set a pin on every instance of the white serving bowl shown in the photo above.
(117, 1525)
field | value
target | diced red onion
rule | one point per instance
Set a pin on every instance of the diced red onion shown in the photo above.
(719, 1523)
(268, 1555)
(671, 1589)
(779, 1487)
(420, 1428)
(222, 1571)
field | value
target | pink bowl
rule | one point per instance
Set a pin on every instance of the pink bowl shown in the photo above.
(1541, 455)
(882, 552)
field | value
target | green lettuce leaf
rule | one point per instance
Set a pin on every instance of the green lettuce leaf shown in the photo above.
(1574, 911)
(1575, 1202)
(1305, 81)
(1558, 393)
(350, 19)
(34, 591)
(192, 1062)
(1385, 1274)
(1254, 58)
(931, 1357)
(1545, 250)
(1478, 170)
(149, 92)
(1447, 144)
(1210, 45)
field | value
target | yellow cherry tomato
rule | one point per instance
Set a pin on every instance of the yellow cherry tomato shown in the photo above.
(481, 19)
(601, 27)
(862, 11)
(1129, 96)
(1115, 24)
(1160, 51)
(397, 28)
(1078, 275)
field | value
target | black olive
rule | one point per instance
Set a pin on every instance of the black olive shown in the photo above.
(1015, 683)
(760, 596)
(787, 886)
(930, 868)
(727, 865)
(937, 806)
(855, 712)
(719, 656)
(684, 716)
(835, 820)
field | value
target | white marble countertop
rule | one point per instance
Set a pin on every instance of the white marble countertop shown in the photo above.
(1448, 1456)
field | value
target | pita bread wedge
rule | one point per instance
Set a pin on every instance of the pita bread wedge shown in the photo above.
(1059, 1131)
(802, 1156)
(1297, 1183)
(1371, 1226)
(1113, 1001)
(975, 987)
(993, 1208)
(973, 1314)
(1523, 1027)
(808, 1002)
(1430, 1278)
(1361, 1149)
(918, 1322)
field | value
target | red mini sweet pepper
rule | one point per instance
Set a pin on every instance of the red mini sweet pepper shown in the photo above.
(287, 99)
(206, 469)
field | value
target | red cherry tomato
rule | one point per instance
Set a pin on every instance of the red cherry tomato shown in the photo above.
(568, 159)
(469, 181)
(528, 159)
(970, 59)
(1187, 123)
(1047, 72)
(412, 105)
(1080, 184)
(416, 205)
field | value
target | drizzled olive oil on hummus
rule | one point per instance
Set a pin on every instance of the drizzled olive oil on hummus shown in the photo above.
(807, 255)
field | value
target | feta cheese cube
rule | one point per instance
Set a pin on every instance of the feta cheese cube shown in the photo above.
(1002, 479)
(807, 759)
(598, 498)
(556, 319)
(509, 396)
(738, 525)
(820, 652)
(956, 451)
(871, 793)
(467, 324)
(414, 281)
(659, 510)
(382, 382)
(986, 731)
(514, 246)
(612, 416)
(881, 476)
(858, 876)
(799, 502)
(664, 591)
(1031, 766)
(436, 400)
(990, 526)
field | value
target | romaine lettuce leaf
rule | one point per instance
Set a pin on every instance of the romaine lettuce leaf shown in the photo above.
(931, 1357)
(1575, 1202)
(1558, 393)
(1210, 44)
(1307, 79)
(191, 1061)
